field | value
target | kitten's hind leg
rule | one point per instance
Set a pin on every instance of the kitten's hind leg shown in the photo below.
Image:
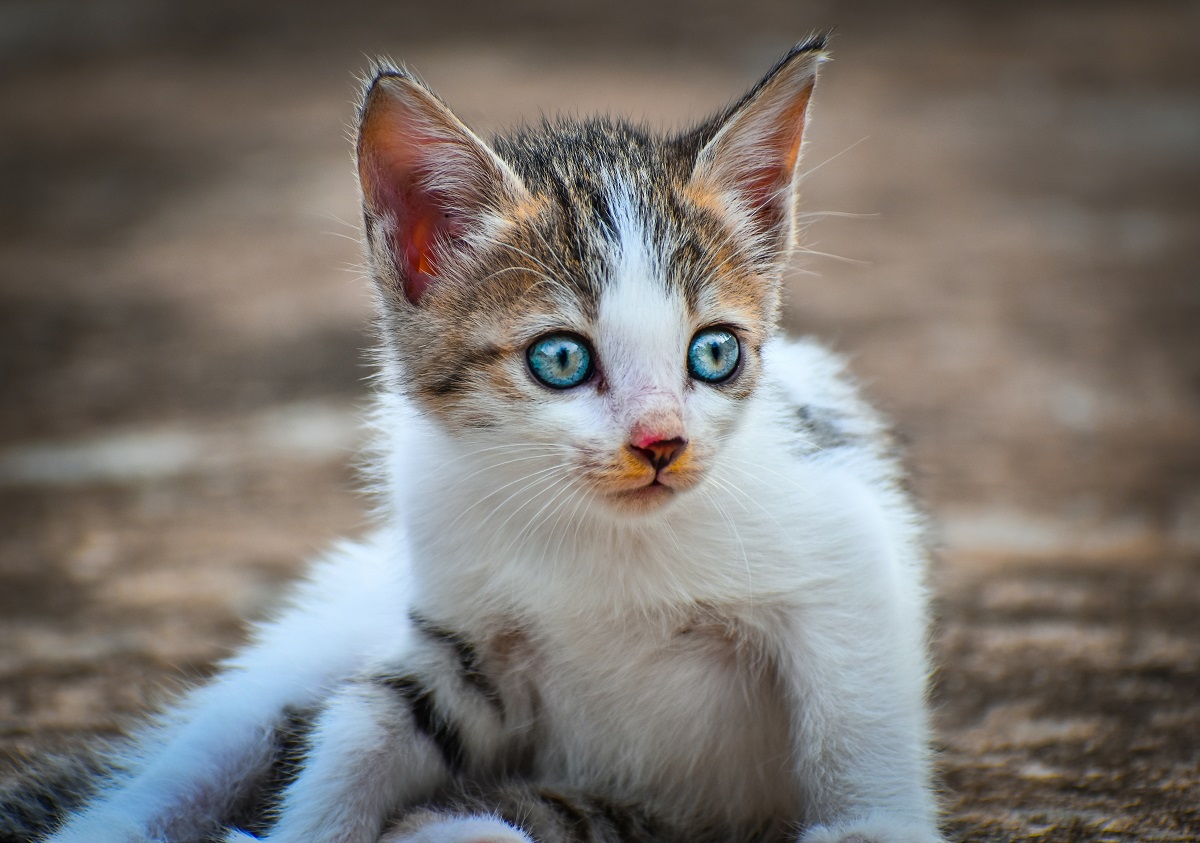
(518, 812)
(428, 827)
(431, 827)
(192, 772)
(37, 799)
(185, 775)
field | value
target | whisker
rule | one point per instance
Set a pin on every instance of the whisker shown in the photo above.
(495, 465)
(833, 157)
(738, 463)
(534, 475)
(853, 215)
(546, 447)
(587, 498)
(544, 480)
(578, 498)
(540, 275)
(713, 478)
(737, 537)
(527, 530)
(570, 495)
(514, 248)
(726, 482)
(808, 251)
(553, 252)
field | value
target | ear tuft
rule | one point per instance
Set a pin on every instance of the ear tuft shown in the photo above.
(752, 151)
(430, 187)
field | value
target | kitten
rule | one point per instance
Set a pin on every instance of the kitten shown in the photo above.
(647, 570)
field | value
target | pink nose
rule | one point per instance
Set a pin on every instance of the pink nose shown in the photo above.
(659, 453)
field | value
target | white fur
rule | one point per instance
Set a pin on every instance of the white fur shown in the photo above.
(797, 692)
(819, 557)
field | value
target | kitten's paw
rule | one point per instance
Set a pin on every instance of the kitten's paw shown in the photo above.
(440, 828)
(872, 831)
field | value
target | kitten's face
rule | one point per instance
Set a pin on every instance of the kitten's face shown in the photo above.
(585, 306)
(625, 357)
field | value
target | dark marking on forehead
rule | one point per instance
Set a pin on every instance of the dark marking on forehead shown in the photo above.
(599, 205)
(562, 247)
(590, 150)
(585, 166)
(691, 264)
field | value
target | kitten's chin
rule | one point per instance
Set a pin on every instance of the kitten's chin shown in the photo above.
(644, 500)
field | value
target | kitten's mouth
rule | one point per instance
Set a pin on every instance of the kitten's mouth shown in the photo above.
(640, 489)
(651, 494)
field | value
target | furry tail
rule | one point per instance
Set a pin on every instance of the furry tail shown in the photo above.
(35, 800)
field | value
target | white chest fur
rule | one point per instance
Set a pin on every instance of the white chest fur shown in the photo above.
(685, 717)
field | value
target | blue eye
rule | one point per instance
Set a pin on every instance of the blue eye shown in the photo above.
(713, 355)
(560, 361)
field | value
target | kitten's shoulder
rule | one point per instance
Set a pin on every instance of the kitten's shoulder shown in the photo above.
(820, 402)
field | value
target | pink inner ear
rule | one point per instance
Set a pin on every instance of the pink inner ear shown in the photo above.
(405, 140)
(756, 157)
(762, 188)
(419, 224)
(427, 181)
(767, 185)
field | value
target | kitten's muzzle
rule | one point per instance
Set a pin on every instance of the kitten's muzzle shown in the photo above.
(659, 454)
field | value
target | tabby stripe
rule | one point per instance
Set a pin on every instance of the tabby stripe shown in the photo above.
(291, 744)
(428, 720)
(575, 232)
(33, 805)
(458, 377)
(470, 665)
(603, 213)
(450, 384)
(628, 827)
(578, 823)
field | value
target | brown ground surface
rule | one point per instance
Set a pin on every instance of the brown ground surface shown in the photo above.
(180, 321)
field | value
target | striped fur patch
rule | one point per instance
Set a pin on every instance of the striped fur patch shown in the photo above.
(427, 719)
(468, 658)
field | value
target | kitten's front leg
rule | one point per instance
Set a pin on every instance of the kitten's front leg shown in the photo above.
(860, 733)
(854, 671)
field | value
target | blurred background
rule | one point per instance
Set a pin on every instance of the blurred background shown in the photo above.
(1005, 208)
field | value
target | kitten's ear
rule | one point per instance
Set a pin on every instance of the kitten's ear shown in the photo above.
(430, 186)
(750, 155)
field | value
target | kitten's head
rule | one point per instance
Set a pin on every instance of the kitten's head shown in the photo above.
(585, 294)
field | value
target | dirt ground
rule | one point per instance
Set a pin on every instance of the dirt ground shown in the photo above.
(1017, 278)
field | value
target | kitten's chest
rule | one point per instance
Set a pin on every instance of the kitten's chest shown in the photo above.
(688, 714)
